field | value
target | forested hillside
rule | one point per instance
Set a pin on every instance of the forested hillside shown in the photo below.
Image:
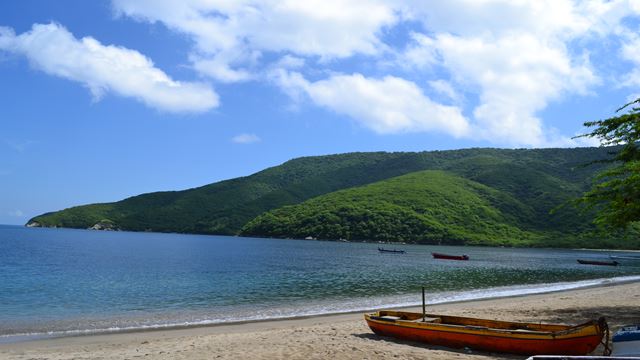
(478, 196)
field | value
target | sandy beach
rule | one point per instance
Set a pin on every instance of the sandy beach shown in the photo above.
(334, 336)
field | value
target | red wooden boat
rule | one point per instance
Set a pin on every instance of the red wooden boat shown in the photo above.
(596, 262)
(449, 257)
(489, 335)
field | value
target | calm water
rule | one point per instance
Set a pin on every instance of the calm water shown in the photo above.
(61, 282)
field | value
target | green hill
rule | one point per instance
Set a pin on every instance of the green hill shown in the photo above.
(430, 207)
(504, 191)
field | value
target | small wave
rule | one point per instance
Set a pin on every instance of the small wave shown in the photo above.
(341, 307)
(519, 290)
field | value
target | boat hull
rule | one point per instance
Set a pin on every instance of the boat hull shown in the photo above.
(391, 251)
(449, 257)
(579, 342)
(595, 262)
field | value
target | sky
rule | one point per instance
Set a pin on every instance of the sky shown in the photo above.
(102, 100)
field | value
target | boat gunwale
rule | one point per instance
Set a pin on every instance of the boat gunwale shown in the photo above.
(571, 332)
(417, 316)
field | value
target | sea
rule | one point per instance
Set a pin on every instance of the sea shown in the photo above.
(65, 282)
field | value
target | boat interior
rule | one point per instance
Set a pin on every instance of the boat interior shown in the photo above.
(401, 316)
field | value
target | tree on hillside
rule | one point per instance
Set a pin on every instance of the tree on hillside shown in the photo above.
(616, 195)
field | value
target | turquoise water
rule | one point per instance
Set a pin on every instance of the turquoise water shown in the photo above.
(63, 282)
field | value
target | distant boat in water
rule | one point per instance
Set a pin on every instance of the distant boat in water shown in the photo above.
(597, 262)
(449, 257)
(394, 251)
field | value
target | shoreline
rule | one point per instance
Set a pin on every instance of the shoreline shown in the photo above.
(327, 240)
(496, 293)
(610, 250)
(276, 336)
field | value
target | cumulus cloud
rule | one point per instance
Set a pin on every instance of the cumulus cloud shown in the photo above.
(577, 141)
(106, 68)
(420, 54)
(228, 35)
(387, 106)
(445, 88)
(510, 59)
(290, 62)
(498, 17)
(515, 56)
(630, 51)
(245, 139)
(517, 76)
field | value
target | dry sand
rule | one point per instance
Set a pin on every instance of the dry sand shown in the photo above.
(335, 336)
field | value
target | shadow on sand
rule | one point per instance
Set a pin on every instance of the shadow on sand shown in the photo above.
(374, 337)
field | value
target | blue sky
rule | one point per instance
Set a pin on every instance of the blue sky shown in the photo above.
(101, 100)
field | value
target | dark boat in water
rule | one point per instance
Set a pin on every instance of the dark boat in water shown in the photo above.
(393, 251)
(596, 262)
(449, 257)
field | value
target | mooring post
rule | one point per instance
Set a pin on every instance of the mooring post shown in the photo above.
(424, 311)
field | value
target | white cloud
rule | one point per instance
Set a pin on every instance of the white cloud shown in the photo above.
(218, 67)
(387, 106)
(498, 17)
(515, 56)
(445, 88)
(227, 34)
(106, 68)
(517, 76)
(245, 139)
(290, 62)
(420, 54)
(511, 59)
(630, 51)
(581, 141)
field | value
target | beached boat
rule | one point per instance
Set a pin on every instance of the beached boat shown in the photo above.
(489, 335)
(391, 251)
(598, 262)
(449, 257)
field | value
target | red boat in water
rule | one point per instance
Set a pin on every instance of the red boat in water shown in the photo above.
(449, 257)
(595, 262)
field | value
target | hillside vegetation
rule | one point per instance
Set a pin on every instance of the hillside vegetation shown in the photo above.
(472, 196)
(429, 206)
